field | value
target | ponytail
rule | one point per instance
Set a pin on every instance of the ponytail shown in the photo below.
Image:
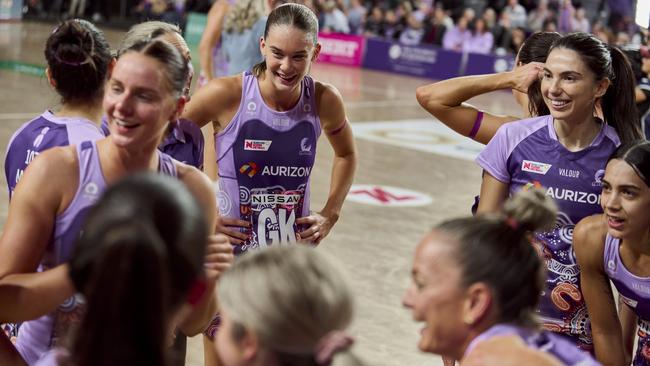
(619, 106)
(127, 285)
(140, 250)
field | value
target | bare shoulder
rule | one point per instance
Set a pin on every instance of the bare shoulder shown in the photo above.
(331, 110)
(589, 238)
(215, 101)
(54, 174)
(193, 178)
(327, 91)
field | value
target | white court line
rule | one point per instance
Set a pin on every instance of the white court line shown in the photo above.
(425, 135)
(6, 116)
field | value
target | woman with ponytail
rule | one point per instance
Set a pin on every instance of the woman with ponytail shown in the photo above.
(479, 278)
(615, 246)
(565, 152)
(135, 275)
(285, 306)
(78, 62)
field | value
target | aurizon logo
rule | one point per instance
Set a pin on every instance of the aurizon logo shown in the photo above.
(249, 169)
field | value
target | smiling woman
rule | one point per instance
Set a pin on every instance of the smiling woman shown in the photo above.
(144, 93)
(478, 279)
(268, 122)
(565, 152)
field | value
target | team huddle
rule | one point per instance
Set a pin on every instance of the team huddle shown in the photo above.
(126, 250)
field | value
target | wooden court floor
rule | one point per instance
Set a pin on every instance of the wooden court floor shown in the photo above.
(399, 145)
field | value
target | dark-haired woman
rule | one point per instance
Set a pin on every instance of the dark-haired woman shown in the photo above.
(565, 152)
(144, 93)
(130, 312)
(479, 278)
(446, 99)
(78, 59)
(269, 122)
(615, 246)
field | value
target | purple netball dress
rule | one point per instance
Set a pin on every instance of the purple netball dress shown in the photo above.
(183, 142)
(37, 336)
(545, 341)
(635, 292)
(528, 154)
(265, 159)
(44, 132)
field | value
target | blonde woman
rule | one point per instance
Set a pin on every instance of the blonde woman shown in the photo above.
(271, 316)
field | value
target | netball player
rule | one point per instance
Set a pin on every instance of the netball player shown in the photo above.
(269, 122)
(478, 278)
(78, 59)
(285, 306)
(135, 275)
(615, 246)
(565, 152)
(144, 93)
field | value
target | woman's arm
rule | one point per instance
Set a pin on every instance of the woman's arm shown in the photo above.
(339, 133)
(445, 99)
(589, 246)
(211, 36)
(493, 194)
(217, 102)
(219, 255)
(47, 185)
(8, 353)
(628, 321)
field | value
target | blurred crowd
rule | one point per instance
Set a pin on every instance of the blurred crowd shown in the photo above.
(467, 25)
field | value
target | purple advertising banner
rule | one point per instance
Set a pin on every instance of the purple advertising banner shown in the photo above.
(341, 49)
(488, 64)
(424, 61)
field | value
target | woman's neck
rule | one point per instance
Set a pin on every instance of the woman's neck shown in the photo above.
(638, 243)
(280, 101)
(576, 136)
(92, 112)
(120, 161)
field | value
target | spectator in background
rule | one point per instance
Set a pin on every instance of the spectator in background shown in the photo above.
(601, 32)
(517, 40)
(579, 22)
(481, 40)
(392, 26)
(374, 23)
(413, 32)
(565, 24)
(469, 14)
(334, 20)
(456, 37)
(437, 26)
(549, 25)
(538, 16)
(356, 16)
(490, 17)
(516, 14)
(501, 32)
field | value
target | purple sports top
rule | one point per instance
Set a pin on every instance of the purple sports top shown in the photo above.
(634, 291)
(545, 341)
(265, 159)
(42, 133)
(37, 336)
(528, 154)
(183, 142)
